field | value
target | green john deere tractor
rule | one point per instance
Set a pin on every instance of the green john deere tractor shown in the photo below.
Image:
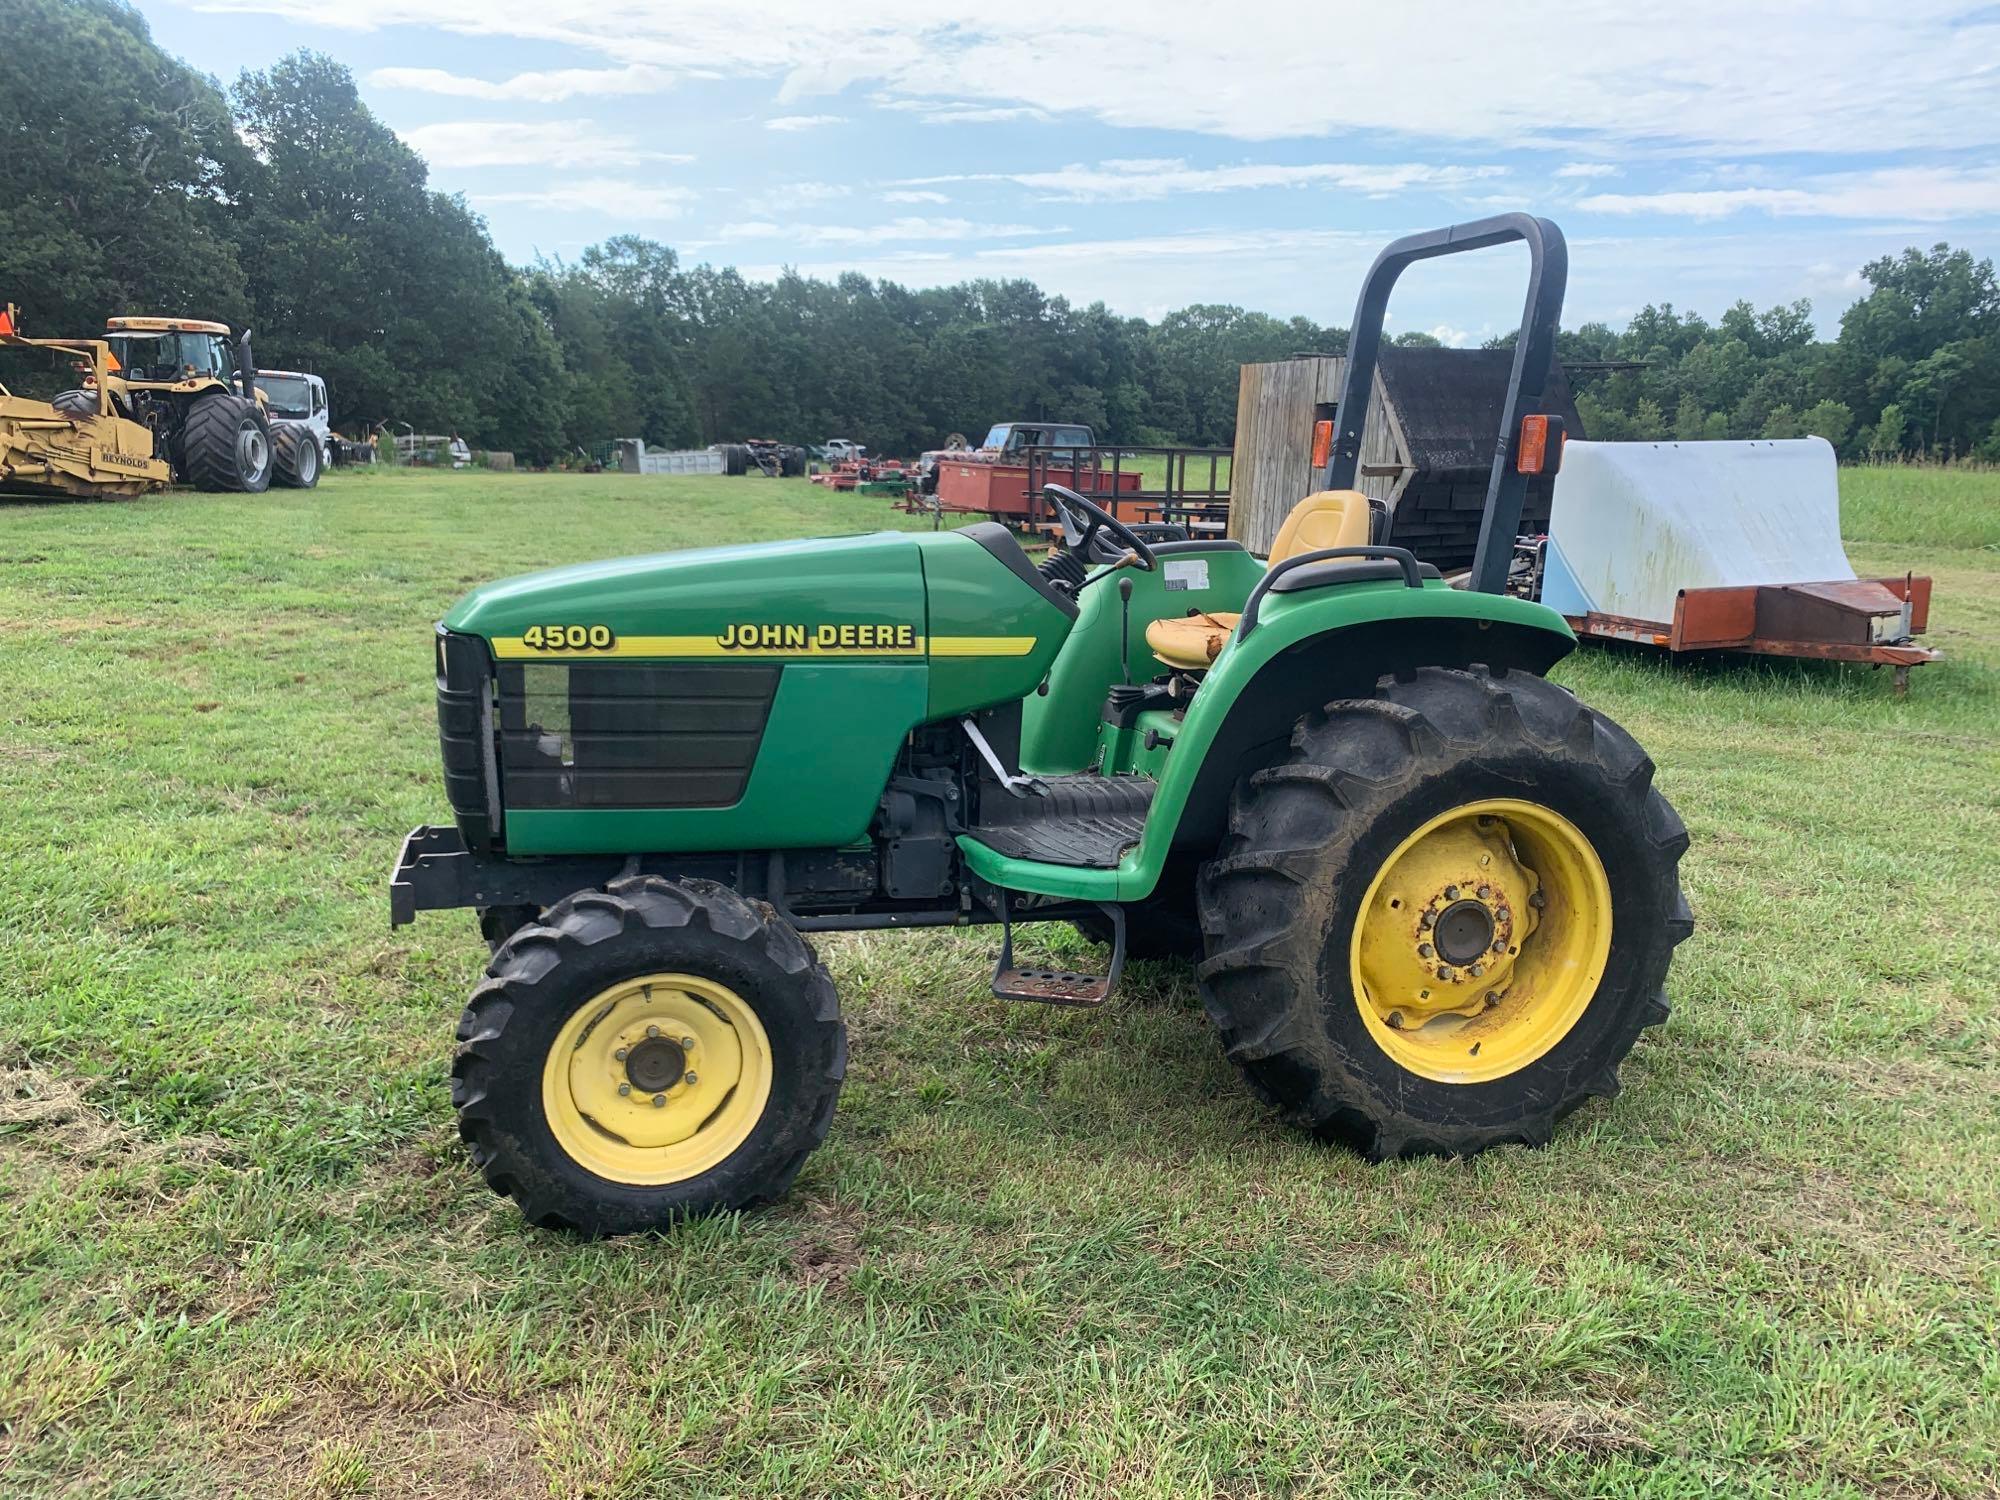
(1430, 895)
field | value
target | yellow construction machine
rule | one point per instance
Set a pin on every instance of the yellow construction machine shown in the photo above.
(77, 444)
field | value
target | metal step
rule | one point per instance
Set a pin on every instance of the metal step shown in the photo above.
(1058, 986)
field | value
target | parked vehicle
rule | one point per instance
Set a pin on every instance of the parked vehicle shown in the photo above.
(1432, 895)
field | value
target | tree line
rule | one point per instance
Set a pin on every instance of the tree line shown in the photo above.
(131, 182)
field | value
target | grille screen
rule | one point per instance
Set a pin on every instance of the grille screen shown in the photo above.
(606, 734)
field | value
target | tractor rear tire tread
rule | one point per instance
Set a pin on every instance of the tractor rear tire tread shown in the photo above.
(296, 459)
(552, 964)
(1274, 892)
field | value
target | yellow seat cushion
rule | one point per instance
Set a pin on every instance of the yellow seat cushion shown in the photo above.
(1190, 642)
(1330, 518)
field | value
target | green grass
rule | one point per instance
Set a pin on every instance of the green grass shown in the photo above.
(1043, 1252)
(1921, 504)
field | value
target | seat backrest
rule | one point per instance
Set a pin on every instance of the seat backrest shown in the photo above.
(1330, 518)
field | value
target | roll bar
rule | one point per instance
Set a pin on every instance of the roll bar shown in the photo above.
(1534, 355)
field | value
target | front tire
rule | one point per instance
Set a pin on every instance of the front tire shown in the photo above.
(226, 446)
(1443, 920)
(648, 1053)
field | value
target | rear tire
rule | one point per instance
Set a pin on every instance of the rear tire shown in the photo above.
(295, 454)
(582, 1001)
(1333, 874)
(226, 446)
(76, 403)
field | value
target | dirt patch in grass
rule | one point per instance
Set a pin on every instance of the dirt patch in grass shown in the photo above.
(1548, 1428)
(314, 1443)
(829, 1244)
(49, 1127)
(39, 1108)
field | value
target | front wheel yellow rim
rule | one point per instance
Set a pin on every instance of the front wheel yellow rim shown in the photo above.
(657, 1079)
(1481, 940)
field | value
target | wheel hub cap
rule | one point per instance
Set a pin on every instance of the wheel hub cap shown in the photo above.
(655, 1064)
(1464, 932)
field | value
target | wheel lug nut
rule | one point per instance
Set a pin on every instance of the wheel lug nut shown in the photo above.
(624, 1088)
(1423, 950)
(659, 1101)
(1476, 970)
(687, 1044)
(1492, 998)
(620, 1054)
(1500, 946)
(1485, 891)
(1447, 973)
(1538, 901)
(1451, 893)
(1427, 920)
(690, 1079)
(652, 1031)
(1395, 1020)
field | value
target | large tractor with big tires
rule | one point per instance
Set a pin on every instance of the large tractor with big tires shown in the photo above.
(197, 392)
(1430, 896)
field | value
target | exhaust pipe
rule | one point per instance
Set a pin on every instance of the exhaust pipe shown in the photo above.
(246, 366)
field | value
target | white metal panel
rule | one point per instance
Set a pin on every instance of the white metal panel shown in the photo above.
(1633, 524)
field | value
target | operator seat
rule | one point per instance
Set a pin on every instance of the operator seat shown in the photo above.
(1329, 518)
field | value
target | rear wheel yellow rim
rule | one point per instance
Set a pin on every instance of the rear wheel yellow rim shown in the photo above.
(1481, 940)
(657, 1079)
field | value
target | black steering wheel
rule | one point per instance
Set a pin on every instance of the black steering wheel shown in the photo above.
(1083, 521)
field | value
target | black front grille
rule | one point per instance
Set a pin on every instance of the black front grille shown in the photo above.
(608, 734)
(464, 692)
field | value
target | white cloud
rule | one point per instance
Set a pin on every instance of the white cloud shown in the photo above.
(611, 197)
(802, 122)
(1723, 78)
(912, 195)
(1923, 194)
(931, 112)
(1450, 337)
(1586, 169)
(907, 227)
(537, 88)
(507, 143)
(1132, 179)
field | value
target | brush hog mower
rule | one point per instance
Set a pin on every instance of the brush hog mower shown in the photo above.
(1431, 896)
(76, 445)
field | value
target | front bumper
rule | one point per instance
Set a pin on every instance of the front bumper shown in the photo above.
(435, 871)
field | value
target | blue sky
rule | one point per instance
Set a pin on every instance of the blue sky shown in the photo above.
(1151, 155)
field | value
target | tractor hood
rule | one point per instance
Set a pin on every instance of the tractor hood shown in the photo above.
(803, 598)
(966, 601)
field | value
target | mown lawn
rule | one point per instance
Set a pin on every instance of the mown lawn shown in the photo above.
(1044, 1252)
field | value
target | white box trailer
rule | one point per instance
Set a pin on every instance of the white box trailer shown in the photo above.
(1718, 546)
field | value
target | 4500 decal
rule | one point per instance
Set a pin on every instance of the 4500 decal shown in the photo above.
(569, 637)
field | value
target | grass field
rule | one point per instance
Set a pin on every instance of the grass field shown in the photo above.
(1044, 1252)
